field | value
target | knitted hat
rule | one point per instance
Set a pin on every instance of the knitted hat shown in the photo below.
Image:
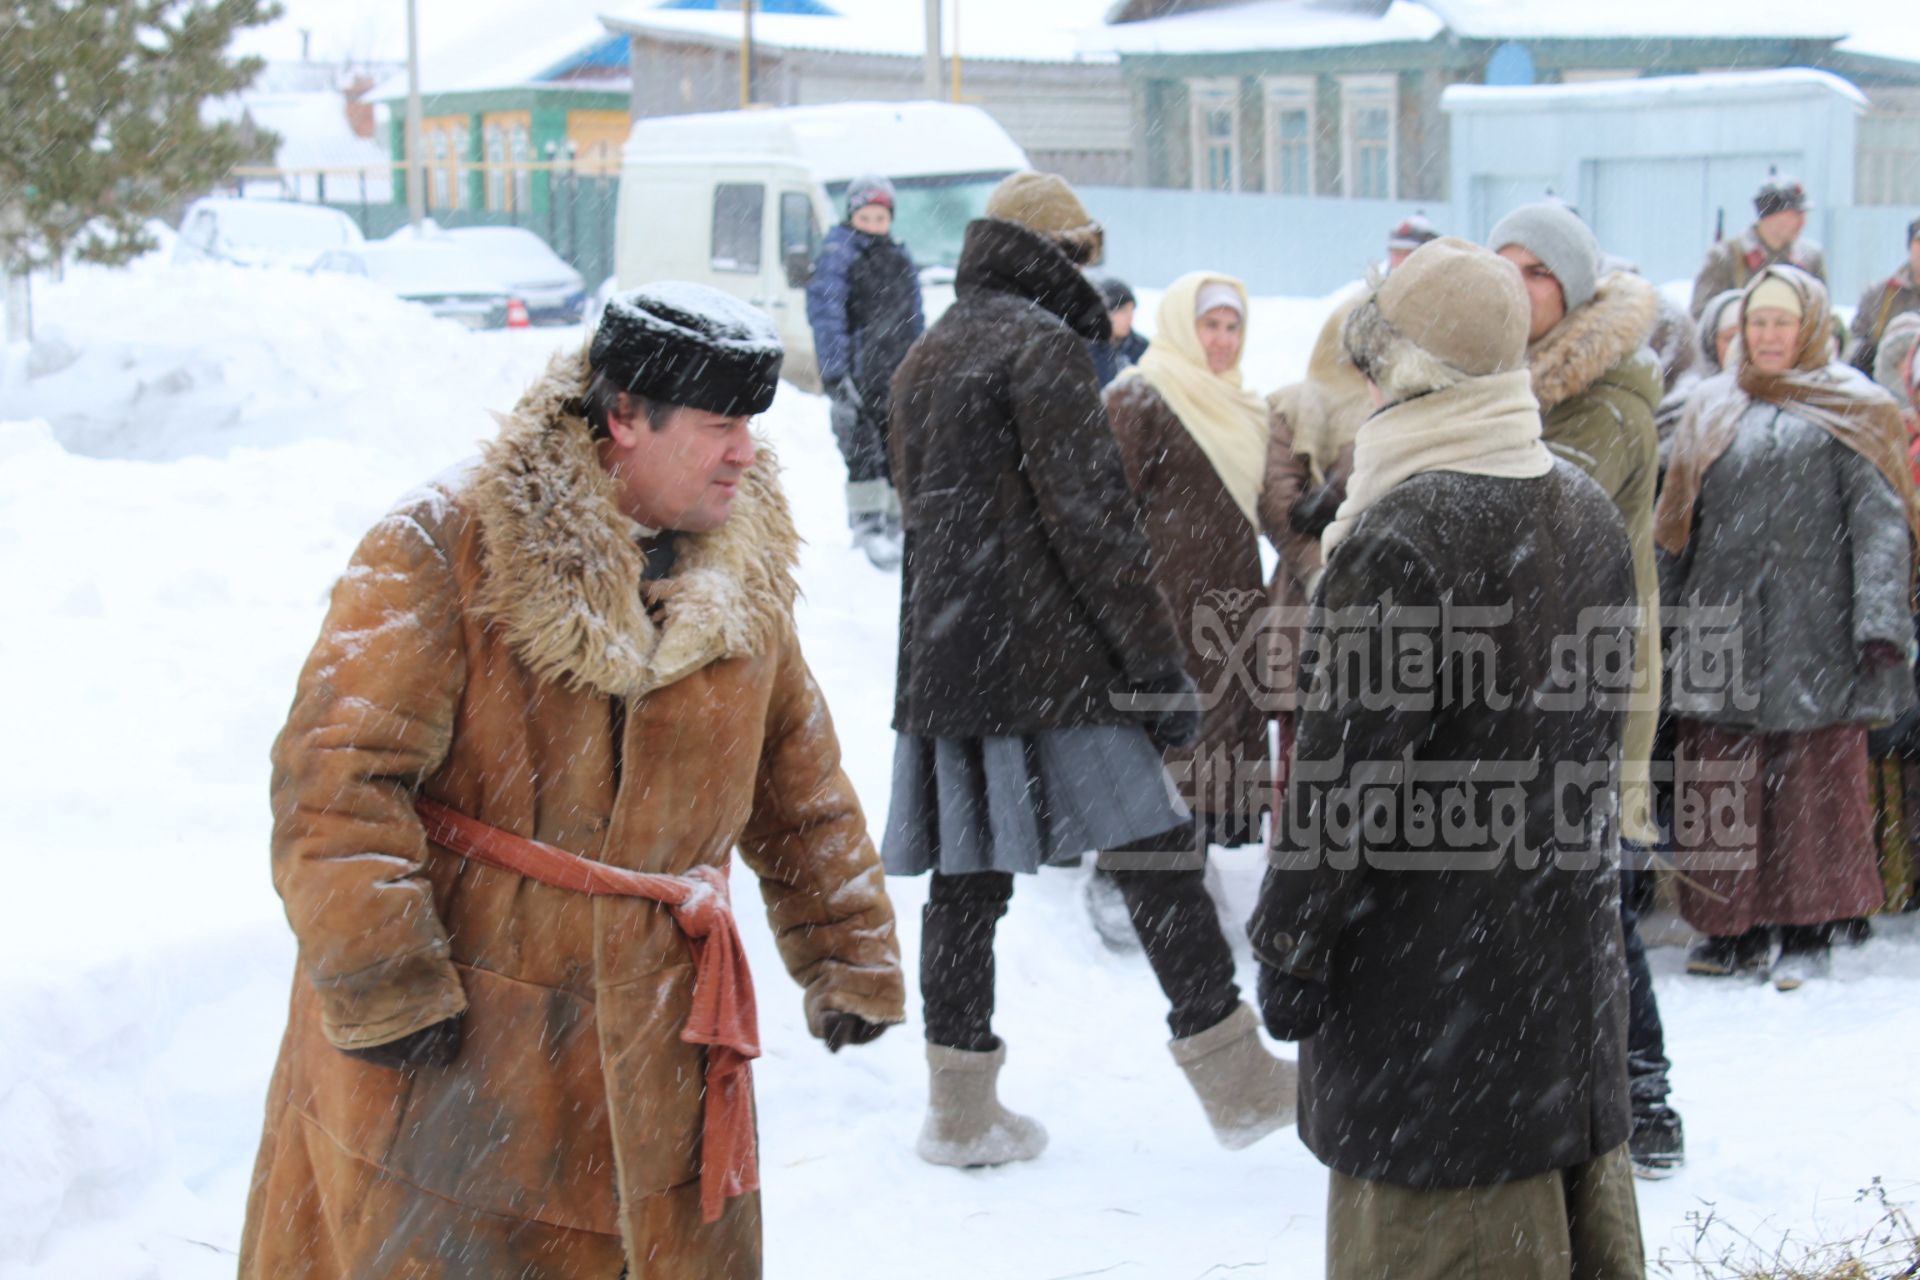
(1554, 234)
(1115, 293)
(1451, 310)
(869, 188)
(689, 344)
(1043, 203)
(1412, 233)
(1779, 193)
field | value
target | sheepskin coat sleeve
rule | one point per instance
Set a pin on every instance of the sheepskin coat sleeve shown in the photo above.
(1598, 384)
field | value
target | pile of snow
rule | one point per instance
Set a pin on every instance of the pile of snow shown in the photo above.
(164, 362)
(168, 545)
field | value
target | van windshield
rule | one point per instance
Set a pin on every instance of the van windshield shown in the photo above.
(932, 212)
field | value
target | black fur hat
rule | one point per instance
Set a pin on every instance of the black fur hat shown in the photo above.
(679, 343)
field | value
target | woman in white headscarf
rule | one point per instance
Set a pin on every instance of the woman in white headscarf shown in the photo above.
(1194, 443)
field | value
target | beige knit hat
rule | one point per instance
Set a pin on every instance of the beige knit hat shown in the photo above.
(1460, 303)
(1044, 203)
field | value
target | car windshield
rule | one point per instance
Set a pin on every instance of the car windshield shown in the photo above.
(415, 270)
(283, 228)
(931, 213)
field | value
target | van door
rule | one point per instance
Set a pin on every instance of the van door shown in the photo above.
(799, 242)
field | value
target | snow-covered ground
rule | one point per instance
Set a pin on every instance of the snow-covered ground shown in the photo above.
(187, 458)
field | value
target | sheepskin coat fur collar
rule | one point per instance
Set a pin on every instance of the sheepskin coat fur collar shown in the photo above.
(1581, 348)
(564, 565)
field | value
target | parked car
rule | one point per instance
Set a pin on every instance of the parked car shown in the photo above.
(554, 292)
(258, 233)
(738, 199)
(446, 278)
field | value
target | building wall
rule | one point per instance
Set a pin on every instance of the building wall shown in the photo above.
(1654, 175)
(1074, 119)
(1160, 98)
(548, 112)
(1294, 246)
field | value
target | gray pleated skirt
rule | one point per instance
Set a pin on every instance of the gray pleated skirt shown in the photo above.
(1021, 802)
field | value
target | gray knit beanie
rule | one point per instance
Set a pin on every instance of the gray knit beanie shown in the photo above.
(1554, 234)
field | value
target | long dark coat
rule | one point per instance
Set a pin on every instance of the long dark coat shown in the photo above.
(1206, 561)
(1476, 1024)
(1026, 595)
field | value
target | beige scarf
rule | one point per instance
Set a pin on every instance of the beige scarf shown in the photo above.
(1481, 427)
(1226, 420)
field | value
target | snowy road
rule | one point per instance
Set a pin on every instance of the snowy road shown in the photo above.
(227, 438)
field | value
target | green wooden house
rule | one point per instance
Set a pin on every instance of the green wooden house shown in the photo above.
(1341, 98)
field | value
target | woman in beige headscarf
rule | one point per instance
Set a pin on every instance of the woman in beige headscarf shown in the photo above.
(1193, 440)
(1789, 519)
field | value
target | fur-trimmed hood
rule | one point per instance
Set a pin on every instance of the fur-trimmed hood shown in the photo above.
(1589, 342)
(564, 565)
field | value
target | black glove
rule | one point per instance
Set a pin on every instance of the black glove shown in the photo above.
(1313, 510)
(1178, 727)
(1291, 1007)
(839, 1029)
(434, 1046)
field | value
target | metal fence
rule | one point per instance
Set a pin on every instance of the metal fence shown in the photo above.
(573, 210)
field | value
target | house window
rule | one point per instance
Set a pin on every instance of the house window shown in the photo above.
(508, 139)
(1290, 135)
(738, 210)
(443, 139)
(1216, 134)
(1367, 108)
(598, 138)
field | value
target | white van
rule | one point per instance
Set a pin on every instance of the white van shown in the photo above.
(739, 199)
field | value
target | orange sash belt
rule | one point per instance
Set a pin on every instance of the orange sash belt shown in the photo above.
(724, 1017)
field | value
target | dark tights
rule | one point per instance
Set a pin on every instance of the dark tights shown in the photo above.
(1171, 910)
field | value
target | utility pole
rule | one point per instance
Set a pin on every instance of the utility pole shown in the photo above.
(956, 50)
(416, 184)
(932, 87)
(746, 54)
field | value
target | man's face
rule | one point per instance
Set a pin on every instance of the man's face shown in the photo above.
(1397, 256)
(1544, 295)
(683, 476)
(1122, 317)
(874, 219)
(1913, 258)
(1781, 229)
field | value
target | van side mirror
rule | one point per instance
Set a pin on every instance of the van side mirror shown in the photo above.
(799, 265)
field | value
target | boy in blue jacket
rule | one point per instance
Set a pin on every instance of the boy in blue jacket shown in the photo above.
(863, 303)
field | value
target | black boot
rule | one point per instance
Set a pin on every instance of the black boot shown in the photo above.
(1658, 1145)
(1727, 956)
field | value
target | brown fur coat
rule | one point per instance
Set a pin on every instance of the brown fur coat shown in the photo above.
(488, 648)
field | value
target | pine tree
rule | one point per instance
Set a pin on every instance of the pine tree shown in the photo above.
(100, 119)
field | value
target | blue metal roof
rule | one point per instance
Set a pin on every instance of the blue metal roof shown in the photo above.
(611, 52)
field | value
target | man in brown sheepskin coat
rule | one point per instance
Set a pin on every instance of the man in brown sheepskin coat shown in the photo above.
(553, 692)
